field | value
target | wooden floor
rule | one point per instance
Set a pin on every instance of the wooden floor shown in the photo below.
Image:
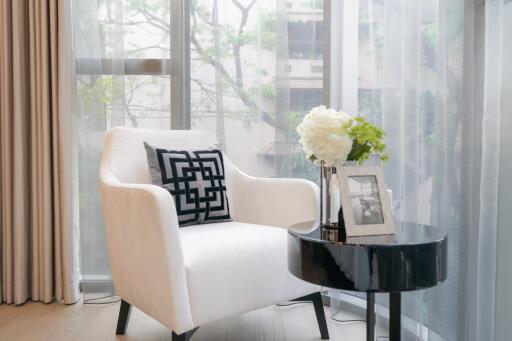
(37, 321)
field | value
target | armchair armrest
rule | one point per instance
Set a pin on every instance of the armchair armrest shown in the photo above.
(274, 201)
(145, 251)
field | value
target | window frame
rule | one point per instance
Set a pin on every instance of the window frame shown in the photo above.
(178, 66)
(135, 67)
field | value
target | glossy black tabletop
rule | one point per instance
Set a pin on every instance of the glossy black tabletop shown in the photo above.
(413, 258)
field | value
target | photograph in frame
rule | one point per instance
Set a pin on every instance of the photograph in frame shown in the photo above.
(365, 201)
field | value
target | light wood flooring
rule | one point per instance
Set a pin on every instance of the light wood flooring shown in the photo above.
(38, 321)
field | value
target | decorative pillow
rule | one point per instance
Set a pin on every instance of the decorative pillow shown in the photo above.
(196, 181)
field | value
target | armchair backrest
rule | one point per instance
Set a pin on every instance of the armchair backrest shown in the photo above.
(126, 157)
(124, 154)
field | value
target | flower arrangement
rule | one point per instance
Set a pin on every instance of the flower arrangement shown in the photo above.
(324, 136)
(333, 137)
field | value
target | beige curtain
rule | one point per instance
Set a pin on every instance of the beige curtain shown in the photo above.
(37, 228)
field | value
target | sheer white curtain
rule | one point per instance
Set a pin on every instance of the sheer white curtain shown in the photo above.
(401, 65)
(123, 78)
(488, 71)
(434, 75)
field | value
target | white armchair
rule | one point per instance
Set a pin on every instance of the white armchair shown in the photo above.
(187, 277)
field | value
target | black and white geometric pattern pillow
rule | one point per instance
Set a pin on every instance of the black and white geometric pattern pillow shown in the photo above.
(196, 181)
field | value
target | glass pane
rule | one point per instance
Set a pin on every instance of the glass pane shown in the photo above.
(253, 78)
(127, 29)
(145, 104)
(114, 39)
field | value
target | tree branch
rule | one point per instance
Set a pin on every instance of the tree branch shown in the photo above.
(240, 92)
(236, 44)
(207, 91)
(156, 21)
(236, 84)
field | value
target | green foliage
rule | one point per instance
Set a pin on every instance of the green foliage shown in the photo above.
(153, 6)
(100, 88)
(267, 30)
(268, 90)
(367, 140)
(293, 118)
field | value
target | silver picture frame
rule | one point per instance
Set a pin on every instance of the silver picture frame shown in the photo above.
(365, 201)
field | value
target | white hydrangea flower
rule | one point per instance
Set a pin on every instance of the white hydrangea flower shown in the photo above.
(322, 135)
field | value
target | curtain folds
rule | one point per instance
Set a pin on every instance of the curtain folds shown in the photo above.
(434, 75)
(406, 75)
(488, 62)
(123, 55)
(37, 229)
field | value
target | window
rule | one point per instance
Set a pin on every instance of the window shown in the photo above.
(306, 37)
(131, 68)
(244, 75)
(123, 78)
(317, 69)
(302, 100)
(245, 70)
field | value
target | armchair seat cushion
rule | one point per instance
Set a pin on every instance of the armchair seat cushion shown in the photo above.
(234, 267)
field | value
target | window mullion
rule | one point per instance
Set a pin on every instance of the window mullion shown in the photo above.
(327, 54)
(180, 64)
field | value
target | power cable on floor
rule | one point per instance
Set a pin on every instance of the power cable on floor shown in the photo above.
(93, 301)
(332, 318)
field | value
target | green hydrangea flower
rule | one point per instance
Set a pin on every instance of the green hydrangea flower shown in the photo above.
(367, 140)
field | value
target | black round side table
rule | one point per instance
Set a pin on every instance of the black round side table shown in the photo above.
(412, 259)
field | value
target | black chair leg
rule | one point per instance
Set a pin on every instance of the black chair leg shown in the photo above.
(124, 316)
(320, 315)
(316, 298)
(185, 336)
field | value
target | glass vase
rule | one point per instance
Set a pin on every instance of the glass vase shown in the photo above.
(332, 221)
(329, 203)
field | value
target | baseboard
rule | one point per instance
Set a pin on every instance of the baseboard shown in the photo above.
(96, 284)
